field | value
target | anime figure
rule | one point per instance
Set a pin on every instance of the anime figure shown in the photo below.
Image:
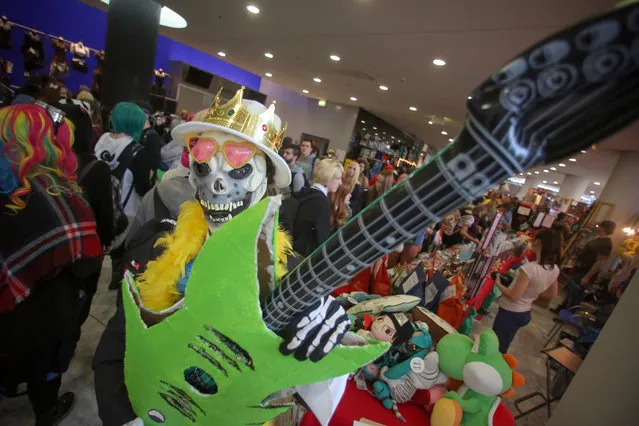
(193, 294)
(486, 375)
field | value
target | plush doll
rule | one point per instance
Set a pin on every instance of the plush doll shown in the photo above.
(486, 374)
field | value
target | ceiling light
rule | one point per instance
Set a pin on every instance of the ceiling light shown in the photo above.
(583, 151)
(521, 174)
(392, 137)
(544, 181)
(322, 103)
(451, 140)
(470, 97)
(317, 80)
(376, 134)
(374, 128)
(572, 159)
(304, 91)
(269, 55)
(268, 74)
(546, 171)
(362, 121)
(555, 182)
(353, 98)
(529, 174)
(536, 172)
(562, 165)
(553, 168)
(592, 192)
(335, 58)
(412, 108)
(222, 54)
(382, 87)
(168, 17)
(439, 62)
(430, 122)
(253, 9)
(597, 183)
(444, 132)
(364, 128)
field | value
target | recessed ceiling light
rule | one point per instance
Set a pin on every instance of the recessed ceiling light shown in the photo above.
(374, 128)
(430, 122)
(253, 9)
(553, 168)
(562, 165)
(536, 172)
(269, 55)
(412, 108)
(597, 183)
(444, 132)
(555, 182)
(382, 87)
(572, 159)
(521, 174)
(376, 134)
(220, 53)
(362, 121)
(268, 74)
(353, 98)
(304, 91)
(529, 174)
(317, 80)
(364, 128)
(439, 62)
(335, 58)
(451, 140)
(392, 137)
(583, 151)
(592, 192)
(546, 171)
(544, 181)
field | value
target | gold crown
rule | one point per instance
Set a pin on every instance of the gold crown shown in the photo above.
(233, 115)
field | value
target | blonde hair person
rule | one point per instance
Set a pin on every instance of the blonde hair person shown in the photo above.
(328, 173)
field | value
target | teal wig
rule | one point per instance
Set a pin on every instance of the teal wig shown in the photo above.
(128, 118)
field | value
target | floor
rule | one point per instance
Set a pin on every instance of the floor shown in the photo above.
(79, 379)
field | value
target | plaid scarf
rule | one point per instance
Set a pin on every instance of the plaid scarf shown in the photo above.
(46, 236)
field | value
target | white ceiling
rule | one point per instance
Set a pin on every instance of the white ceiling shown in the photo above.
(390, 42)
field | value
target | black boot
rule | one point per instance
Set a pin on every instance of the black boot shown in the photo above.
(62, 408)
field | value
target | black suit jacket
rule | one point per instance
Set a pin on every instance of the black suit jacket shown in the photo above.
(312, 224)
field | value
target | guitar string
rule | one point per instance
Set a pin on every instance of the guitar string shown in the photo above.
(419, 218)
(375, 255)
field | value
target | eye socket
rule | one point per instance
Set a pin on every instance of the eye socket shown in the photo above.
(201, 169)
(242, 172)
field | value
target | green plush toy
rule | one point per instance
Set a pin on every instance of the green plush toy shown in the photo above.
(486, 374)
(212, 360)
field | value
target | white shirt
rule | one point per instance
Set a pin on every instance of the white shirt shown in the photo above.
(540, 280)
(320, 187)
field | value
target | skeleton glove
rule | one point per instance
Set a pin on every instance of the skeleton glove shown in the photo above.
(316, 332)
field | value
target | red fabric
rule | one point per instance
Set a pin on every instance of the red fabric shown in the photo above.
(503, 416)
(357, 404)
(341, 290)
(485, 290)
(452, 310)
(379, 283)
(509, 263)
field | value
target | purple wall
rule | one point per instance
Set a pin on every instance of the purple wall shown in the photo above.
(75, 21)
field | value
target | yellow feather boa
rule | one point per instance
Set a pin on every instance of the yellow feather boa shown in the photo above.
(158, 284)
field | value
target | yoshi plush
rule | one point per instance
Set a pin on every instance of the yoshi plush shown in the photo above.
(486, 375)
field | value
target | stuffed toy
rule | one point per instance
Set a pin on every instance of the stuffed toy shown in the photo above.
(486, 375)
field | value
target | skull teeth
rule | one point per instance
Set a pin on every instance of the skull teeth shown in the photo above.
(221, 207)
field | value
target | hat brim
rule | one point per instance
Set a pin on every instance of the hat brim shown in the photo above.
(282, 177)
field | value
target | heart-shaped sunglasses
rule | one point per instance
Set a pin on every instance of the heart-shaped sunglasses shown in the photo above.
(202, 149)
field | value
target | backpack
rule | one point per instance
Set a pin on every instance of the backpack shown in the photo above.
(306, 183)
(290, 207)
(125, 160)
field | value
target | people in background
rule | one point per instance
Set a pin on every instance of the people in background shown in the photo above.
(562, 227)
(534, 279)
(308, 158)
(290, 154)
(592, 257)
(455, 228)
(383, 182)
(312, 224)
(130, 174)
(476, 229)
(41, 284)
(341, 201)
(364, 170)
(351, 181)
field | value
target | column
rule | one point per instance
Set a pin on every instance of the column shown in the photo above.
(572, 188)
(531, 182)
(131, 40)
(622, 191)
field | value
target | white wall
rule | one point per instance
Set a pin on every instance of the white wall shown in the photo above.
(305, 116)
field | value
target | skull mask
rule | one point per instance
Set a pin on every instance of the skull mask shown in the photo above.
(233, 179)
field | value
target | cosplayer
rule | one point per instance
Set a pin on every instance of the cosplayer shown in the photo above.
(192, 295)
(48, 248)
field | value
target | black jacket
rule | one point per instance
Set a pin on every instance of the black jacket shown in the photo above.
(312, 224)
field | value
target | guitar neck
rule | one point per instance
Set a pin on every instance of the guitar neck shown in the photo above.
(456, 176)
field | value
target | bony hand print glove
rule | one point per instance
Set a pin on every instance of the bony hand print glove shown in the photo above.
(316, 332)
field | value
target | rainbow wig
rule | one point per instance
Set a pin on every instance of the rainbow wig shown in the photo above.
(30, 147)
(128, 118)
